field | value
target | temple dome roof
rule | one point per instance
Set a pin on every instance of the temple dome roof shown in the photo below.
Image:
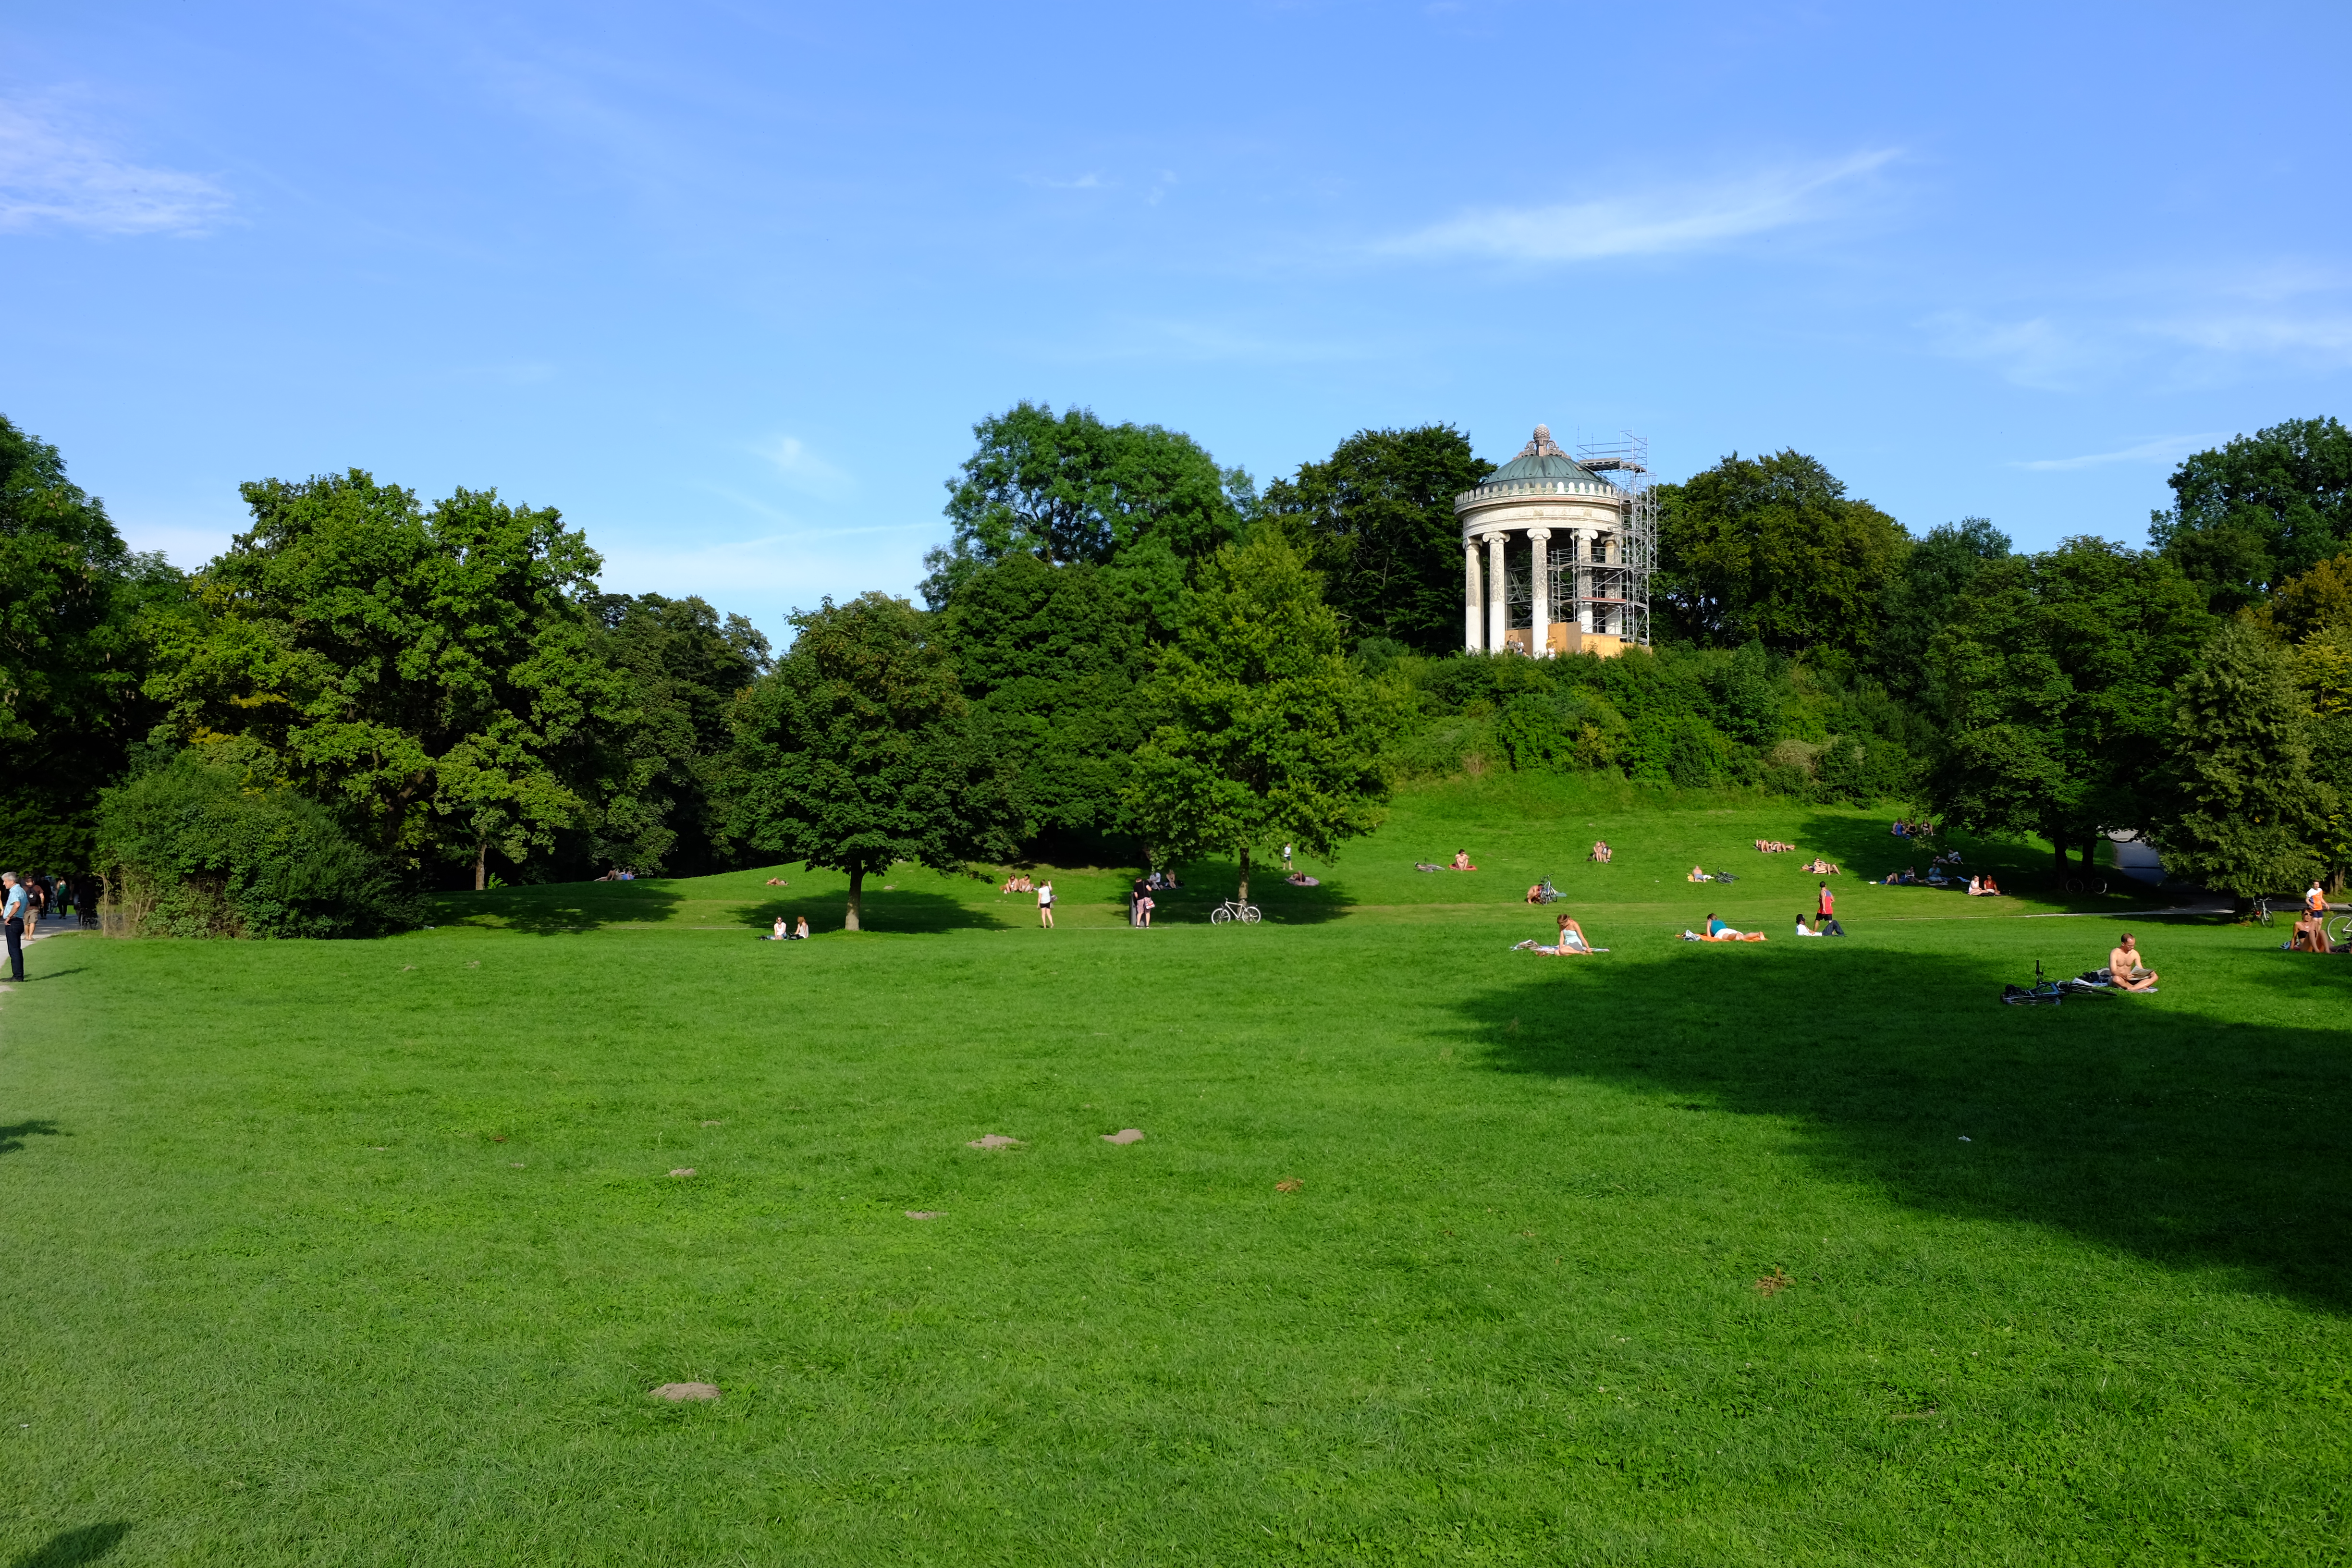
(1540, 458)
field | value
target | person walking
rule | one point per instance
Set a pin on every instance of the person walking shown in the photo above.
(1825, 922)
(36, 898)
(1046, 904)
(12, 915)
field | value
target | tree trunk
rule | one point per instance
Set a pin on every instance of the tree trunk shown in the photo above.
(2058, 848)
(1244, 896)
(481, 865)
(856, 894)
(2090, 850)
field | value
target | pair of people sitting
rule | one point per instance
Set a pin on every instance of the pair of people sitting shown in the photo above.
(1774, 846)
(1721, 931)
(1982, 887)
(1161, 879)
(1601, 851)
(1819, 867)
(1906, 878)
(1568, 942)
(1017, 884)
(783, 932)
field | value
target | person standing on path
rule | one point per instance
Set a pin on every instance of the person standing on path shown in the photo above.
(1046, 904)
(12, 913)
(36, 900)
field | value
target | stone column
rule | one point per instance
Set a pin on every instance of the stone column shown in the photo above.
(1584, 578)
(1540, 623)
(1473, 611)
(1498, 609)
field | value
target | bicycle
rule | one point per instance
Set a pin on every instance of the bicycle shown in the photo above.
(2262, 912)
(2339, 930)
(2076, 885)
(1234, 910)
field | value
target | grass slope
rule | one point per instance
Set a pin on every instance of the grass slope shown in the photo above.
(366, 1253)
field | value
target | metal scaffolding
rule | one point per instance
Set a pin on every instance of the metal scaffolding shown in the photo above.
(1613, 594)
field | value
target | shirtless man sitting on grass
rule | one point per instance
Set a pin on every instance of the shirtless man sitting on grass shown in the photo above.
(2123, 967)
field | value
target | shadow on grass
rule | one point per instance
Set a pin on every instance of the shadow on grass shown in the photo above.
(13, 1138)
(899, 910)
(558, 908)
(2192, 1140)
(1212, 882)
(72, 1548)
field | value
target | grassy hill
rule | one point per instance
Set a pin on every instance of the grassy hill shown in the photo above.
(1795, 1252)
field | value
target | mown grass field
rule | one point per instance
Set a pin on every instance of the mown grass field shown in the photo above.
(368, 1253)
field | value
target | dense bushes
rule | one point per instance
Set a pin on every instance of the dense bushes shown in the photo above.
(1692, 719)
(211, 844)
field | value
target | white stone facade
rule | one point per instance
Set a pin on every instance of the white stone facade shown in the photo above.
(1540, 514)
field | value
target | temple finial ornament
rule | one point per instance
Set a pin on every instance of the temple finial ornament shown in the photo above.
(1542, 446)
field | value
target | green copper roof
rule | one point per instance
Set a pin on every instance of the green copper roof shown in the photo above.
(1540, 458)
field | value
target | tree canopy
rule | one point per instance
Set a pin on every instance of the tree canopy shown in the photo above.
(428, 672)
(1773, 549)
(2054, 679)
(858, 750)
(1266, 732)
(2249, 515)
(1925, 592)
(1377, 521)
(1074, 490)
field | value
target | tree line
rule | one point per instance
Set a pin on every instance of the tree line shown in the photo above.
(1126, 654)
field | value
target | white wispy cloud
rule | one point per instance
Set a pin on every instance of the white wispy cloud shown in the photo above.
(2163, 453)
(1083, 182)
(55, 175)
(2323, 338)
(802, 469)
(2037, 351)
(1646, 222)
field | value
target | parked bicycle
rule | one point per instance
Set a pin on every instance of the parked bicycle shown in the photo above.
(1234, 910)
(2262, 915)
(2076, 885)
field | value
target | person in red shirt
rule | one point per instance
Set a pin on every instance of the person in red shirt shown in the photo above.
(1825, 914)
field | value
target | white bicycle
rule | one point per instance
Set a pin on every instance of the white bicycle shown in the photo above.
(1234, 910)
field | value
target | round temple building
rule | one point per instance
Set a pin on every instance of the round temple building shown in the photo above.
(1556, 559)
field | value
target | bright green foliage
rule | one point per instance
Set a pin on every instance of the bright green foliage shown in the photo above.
(858, 750)
(2259, 510)
(1773, 549)
(1379, 524)
(2055, 677)
(2246, 816)
(71, 657)
(1073, 490)
(435, 675)
(1268, 733)
(212, 845)
(686, 668)
(1934, 578)
(2319, 598)
(1052, 659)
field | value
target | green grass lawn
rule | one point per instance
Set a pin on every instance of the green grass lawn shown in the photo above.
(369, 1252)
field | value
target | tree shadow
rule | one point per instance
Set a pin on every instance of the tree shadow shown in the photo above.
(13, 1138)
(72, 1548)
(897, 911)
(559, 908)
(2189, 1139)
(1208, 883)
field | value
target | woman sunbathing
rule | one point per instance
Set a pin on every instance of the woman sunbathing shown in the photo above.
(1569, 943)
(2311, 935)
(1462, 861)
(1819, 867)
(1601, 851)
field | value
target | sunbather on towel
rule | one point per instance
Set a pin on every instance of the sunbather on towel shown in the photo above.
(2125, 968)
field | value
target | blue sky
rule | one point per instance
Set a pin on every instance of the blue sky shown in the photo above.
(729, 282)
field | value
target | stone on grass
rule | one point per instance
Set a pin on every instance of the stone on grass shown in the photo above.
(677, 1393)
(1124, 1135)
(923, 1213)
(683, 1171)
(993, 1141)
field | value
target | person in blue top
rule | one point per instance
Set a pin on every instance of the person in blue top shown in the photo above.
(11, 911)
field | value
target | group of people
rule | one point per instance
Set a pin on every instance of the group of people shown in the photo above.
(2311, 930)
(1601, 851)
(618, 875)
(797, 932)
(1017, 883)
(1774, 846)
(1817, 867)
(25, 897)
(1902, 829)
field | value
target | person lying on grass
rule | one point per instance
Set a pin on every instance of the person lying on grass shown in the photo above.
(2311, 935)
(1569, 943)
(1717, 930)
(1819, 867)
(2125, 968)
(1774, 846)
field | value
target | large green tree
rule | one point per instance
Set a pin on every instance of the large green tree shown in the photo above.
(685, 666)
(2249, 515)
(1774, 550)
(73, 654)
(2245, 814)
(1266, 733)
(1378, 522)
(1072, 488)
(2054, 685)
(428, 672)
(858, 751)
(1925, 592)
(1051, 657)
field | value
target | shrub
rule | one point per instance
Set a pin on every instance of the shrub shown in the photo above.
(210, 844)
